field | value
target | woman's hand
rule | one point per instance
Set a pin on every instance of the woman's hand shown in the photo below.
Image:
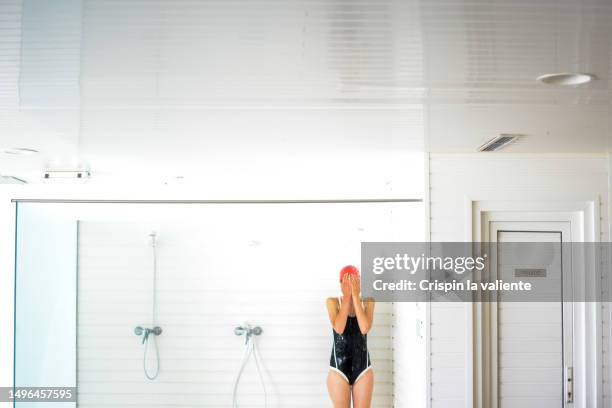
(355, 286)
(346, 287)
(338, 314)
(363, 310)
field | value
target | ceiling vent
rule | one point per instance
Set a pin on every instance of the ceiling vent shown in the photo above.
(498, 143)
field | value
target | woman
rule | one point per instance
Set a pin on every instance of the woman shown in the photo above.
(350, 373)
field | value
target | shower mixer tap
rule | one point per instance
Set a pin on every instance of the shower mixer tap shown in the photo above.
(250, 346)
(248, 331)
(145, 332)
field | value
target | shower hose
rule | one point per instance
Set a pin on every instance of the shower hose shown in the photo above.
(144, 358)
(149, 334)
(250, 349)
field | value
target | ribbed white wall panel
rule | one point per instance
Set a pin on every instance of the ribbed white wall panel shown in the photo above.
(303, 53)
(210, 279)
(39, 80)
(10, 51)
(145, 72)
(51, 53)
(493, 177)
(409, 355)
(333, 52)
(227, 52)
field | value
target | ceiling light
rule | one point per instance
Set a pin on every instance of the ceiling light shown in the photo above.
(566, 78)
(19, 151)
(67, 174)
(498, 142)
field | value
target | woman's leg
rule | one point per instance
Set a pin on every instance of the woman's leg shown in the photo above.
(362, 390)
(339, 390)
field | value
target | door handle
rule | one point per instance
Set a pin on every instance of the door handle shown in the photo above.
(569, 386)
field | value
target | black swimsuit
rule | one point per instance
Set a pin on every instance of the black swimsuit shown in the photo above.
(350, 356)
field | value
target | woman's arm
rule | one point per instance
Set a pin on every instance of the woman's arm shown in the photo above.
(338, 316)
(365, 315)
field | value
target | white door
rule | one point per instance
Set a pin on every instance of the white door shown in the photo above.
(532, 341)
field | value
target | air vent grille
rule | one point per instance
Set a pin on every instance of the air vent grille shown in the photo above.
(498, 143)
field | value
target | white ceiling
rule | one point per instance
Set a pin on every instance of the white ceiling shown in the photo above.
(175, 86)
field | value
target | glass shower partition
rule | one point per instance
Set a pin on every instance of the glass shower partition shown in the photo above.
(45, 308)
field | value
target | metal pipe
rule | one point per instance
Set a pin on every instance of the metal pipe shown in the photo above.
(330, 201)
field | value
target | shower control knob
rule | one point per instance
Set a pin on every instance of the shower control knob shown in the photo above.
(157, 330)
(257, 330)
(138, 331)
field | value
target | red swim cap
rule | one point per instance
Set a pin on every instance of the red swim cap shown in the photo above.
(350, 269)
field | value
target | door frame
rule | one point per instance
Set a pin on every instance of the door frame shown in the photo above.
(583, 217)
(494, 223)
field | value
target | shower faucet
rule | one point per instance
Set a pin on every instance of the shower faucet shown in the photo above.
(248, 331)
(139, 331)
